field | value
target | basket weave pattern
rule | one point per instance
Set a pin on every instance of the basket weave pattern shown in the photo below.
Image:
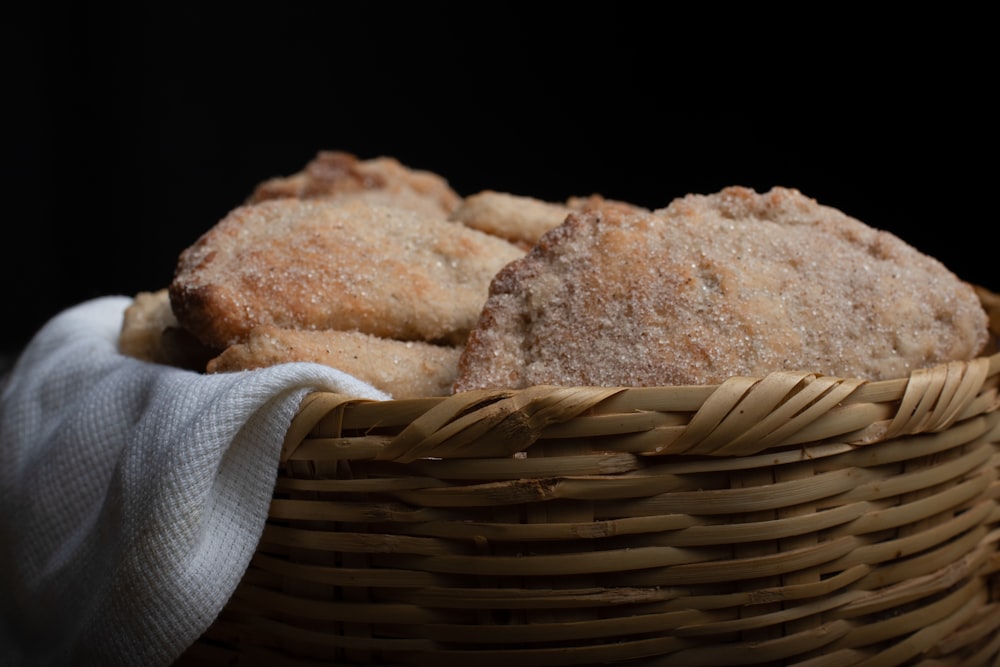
(790, 519)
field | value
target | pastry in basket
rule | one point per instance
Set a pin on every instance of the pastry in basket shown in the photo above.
(736, 283)
(150, 332)
(403, 369)
(381, 180)
(327, 264)
(143, 324)
(517, 218)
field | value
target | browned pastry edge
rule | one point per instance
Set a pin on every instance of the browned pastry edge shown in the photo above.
(402, 369)
(380, 180)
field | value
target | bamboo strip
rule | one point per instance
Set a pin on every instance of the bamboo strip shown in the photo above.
(336, 449)
(789, 417)
(775, 618)
(771, 410)
(875, 486)
(905, 592)
(834, 484)
(932, 560)
(583, 463)
(839, 658)
(593, 631)
(293, 606)
(912, 447)
(900, 548)
(613, 423)
(874, 632)
(656, 566)
(753, 653)
(815, 587)
(549, 565)
(320, 643)
(985, 626)
(369, 485)
(342, 510)
(599, 654)
(343, 576)
(677, 530)
(876, 520)
(499, 428)
(340, 541)
(594, 597)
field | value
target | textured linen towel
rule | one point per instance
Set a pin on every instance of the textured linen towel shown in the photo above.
(132, 495)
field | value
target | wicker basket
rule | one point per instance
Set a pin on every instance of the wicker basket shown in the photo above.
(794, 519)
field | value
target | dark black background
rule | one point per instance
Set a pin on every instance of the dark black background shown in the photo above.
(133, 130)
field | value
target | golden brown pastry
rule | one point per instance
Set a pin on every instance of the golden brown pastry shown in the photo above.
(715, 286)
(324, 264)
(382, 180)
(403, 369)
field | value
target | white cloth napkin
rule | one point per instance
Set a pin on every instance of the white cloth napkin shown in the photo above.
(132, 495)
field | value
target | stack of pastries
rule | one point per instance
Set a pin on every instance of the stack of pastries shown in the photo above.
(385, 272)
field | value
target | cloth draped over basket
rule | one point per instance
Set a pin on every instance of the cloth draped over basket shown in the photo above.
(132, 495)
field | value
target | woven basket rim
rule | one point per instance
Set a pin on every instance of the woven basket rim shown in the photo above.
(926, 400)
(873, 388)
(740, 417)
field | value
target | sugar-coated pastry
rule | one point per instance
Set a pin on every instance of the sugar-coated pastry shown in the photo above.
(324, 264)
(714, 286)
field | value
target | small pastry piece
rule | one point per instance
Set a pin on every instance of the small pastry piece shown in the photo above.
(403, 369)
(323, 264)
(715, 286)
(150, 332)
(143, 325)
(382, 180)
(520, 219)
